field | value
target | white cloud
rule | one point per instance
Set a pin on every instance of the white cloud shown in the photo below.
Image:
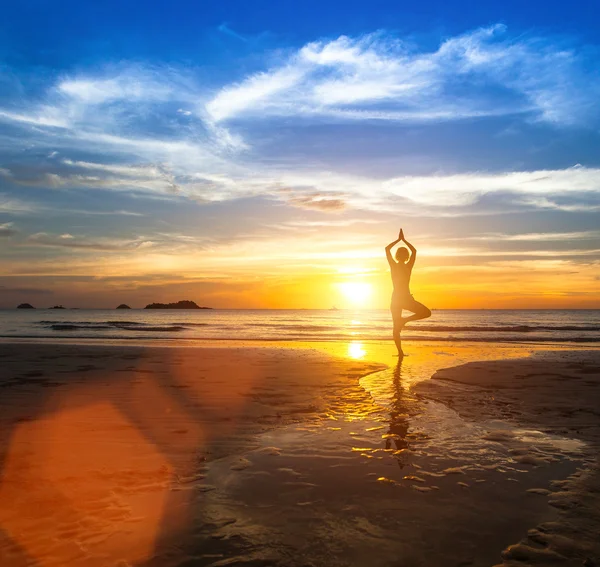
(10, 205)
(465, 188)
(44, 116)
(255, 92)
(378, 77)
(138, 171)
(331, 192)
(130, 84)
(369, 77)
(537, 236)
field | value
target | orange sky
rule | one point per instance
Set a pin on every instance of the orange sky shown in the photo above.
(313, 272)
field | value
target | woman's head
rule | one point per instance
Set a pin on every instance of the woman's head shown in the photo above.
(402, 255)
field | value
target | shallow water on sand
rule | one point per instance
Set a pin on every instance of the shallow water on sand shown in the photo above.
(387, 477)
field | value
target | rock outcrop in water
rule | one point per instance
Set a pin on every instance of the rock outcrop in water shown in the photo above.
(25, 306)
(178, 305)
(57, 307)
(123, 306)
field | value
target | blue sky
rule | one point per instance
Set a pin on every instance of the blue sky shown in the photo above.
(227, 150)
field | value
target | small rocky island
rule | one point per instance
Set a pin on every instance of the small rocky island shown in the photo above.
(57, 307)
(25, 306)
(178, 305)
(123, 306)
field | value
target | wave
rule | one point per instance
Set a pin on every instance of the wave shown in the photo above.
(173, 328)
(74, 327)
(507, 329)
(89, 324)
(119, 323)
(108, 324)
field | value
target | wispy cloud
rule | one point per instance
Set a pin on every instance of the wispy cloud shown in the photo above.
(537, 236)
(134, 118)
(171, 243)
(67, 240)
(127, 84)
(330, 191)
(465, 188)
(7, 229)
(10, 205)
(224, 28)
(485, 72)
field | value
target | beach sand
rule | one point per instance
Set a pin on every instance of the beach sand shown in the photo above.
(160, 456)
(554, 392)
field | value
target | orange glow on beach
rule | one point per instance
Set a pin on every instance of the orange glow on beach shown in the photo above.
(91, 479)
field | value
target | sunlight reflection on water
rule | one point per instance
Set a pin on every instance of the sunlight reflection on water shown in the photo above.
(356, 350)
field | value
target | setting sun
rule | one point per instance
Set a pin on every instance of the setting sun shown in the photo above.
(356, 293)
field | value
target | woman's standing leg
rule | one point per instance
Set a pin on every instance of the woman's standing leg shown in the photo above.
(398, 324)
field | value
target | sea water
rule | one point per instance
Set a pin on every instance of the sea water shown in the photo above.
(300, 325)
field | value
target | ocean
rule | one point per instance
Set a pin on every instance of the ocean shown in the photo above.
(300, 325)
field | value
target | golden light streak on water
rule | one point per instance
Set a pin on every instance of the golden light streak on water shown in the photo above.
(356, 350)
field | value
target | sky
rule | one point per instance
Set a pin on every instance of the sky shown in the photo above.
(262, 154)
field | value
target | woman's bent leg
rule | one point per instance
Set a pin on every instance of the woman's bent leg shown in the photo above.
(419, 310)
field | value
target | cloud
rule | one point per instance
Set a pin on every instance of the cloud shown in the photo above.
(7, 230)
(10, 205)
(97, 105)
(145, 176)
(44, 116)
(464, 188)
(569, 189)
(169, 243)
(484, 72)
(317, 225)
(106, 244)
(224, 28)
(126, 127)
(538, 236)
(320, 201)
(130, 84)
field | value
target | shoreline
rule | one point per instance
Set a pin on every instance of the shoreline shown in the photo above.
(243, 450)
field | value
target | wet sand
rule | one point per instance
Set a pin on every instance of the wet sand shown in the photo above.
(157, 456)
(557, 393)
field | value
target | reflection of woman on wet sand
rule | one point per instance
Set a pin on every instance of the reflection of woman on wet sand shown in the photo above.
(398, 430)
(401, 269)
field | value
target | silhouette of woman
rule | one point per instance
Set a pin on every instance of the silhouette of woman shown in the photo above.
(401, 269)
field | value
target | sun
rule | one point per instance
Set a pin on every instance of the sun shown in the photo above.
(356, 293)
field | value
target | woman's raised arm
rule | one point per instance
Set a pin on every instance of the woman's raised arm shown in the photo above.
(389, 247)
(413, 251)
